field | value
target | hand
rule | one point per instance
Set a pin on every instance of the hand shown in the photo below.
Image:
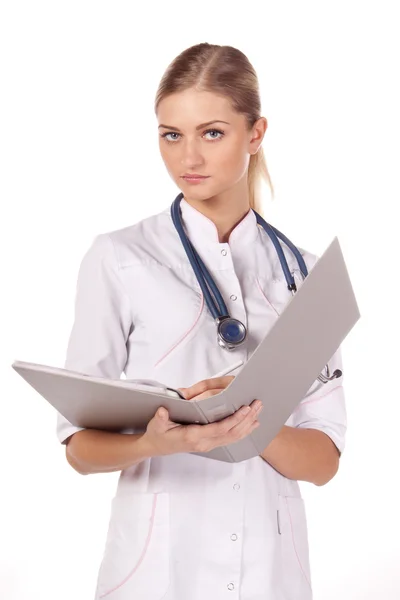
(164, 436)
(206, 388)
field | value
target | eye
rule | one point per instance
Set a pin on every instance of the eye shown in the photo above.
(164, 135)
(213, 138)
(220, 133)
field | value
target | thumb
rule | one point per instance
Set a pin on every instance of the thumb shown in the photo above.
(162, 413)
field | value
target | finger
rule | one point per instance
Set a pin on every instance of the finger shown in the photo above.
(245, 426)
(242, 417)
(187, 393)
(222, 381)
(207, 394)
(164, 422)
(207, 384)
(198, 388)
(160, 419)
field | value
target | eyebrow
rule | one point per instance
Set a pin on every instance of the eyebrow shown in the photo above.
(197, 128)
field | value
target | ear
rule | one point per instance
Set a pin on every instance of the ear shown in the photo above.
(257, 134)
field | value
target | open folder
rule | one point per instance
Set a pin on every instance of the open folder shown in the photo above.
(281, 370)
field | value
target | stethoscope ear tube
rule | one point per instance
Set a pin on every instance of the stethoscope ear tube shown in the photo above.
(202, 274)
(231, 332)
(299, 258)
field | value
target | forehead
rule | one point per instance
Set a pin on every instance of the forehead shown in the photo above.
(191, 107)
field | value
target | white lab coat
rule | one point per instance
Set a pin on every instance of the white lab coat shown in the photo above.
(184, 527)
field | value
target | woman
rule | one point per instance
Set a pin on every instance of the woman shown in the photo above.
(184, 526)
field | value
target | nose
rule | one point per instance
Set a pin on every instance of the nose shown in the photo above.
(191, 155)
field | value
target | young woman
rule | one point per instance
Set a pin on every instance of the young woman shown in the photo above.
(183, 526)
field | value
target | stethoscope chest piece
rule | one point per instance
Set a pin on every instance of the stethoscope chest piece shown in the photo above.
(230, 332)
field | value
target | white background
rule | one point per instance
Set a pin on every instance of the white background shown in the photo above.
(79, 156)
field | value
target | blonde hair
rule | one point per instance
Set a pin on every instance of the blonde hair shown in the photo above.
(226, 71)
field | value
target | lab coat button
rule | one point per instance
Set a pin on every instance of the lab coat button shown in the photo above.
(233, 297)
(234, 537)
(236, 486)
(223, 252)
(231, 586)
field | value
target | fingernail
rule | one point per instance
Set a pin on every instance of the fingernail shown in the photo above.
(245, 410)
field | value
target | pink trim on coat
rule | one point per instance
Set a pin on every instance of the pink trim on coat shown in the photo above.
(146, 546)
(265, 297)
(294, 545)
(185, 334)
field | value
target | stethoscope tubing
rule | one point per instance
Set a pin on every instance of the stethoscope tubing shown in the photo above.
(212, 295)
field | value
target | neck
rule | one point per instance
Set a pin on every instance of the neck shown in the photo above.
(225, 210)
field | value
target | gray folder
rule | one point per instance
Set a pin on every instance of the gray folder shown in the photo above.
(282, 369)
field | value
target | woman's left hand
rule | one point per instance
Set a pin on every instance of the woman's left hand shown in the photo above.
(206, 388)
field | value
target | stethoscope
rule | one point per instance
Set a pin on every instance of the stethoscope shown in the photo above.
(231, 333)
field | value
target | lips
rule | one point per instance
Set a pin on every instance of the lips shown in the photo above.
(195, 176)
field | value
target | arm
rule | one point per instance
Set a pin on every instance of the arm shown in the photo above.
(102, 322)
(96, 451)
(303, 454)
(309, 445)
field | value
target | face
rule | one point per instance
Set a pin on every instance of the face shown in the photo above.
(200, 133)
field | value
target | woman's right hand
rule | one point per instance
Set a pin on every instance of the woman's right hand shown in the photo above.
(164, 436)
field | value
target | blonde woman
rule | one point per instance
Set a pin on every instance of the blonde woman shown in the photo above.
(184, 526)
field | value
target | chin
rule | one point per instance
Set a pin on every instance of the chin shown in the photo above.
(201, 193)
(195, 193)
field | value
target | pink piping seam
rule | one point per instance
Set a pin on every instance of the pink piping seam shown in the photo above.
(135, 568)
(265, 297)
(185, 334)
(294, 545)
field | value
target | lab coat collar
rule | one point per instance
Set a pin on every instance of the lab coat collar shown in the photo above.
(202, 231)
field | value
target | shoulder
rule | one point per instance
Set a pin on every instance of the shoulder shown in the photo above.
(310, 258)
(137, 243)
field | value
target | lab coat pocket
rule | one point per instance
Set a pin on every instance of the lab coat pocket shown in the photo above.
(136, 558)
(292, 524)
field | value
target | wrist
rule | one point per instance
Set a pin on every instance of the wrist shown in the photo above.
(144, 447)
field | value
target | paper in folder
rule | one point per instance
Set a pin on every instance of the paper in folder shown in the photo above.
(281, 370)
